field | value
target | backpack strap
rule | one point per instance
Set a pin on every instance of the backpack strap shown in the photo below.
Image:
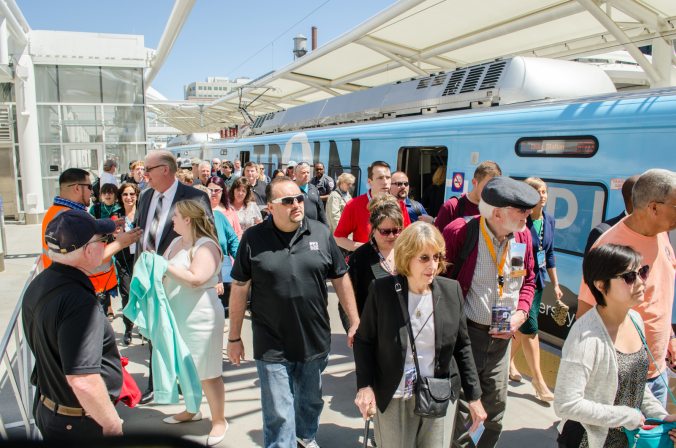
(460, 209)
(471, 238)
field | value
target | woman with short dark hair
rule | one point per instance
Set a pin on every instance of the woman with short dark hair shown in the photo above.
(601, 384)
(243, 202)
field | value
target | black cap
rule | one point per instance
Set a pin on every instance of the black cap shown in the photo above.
(72, 229)
(503, 191)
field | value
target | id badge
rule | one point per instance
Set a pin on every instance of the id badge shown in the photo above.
(410, 376)
(501, 317)
(542, 262)
(517, 254)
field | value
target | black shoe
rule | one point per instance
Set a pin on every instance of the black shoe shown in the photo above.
(147, 397)
(126, 340)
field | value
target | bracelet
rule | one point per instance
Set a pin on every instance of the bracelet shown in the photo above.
(234, 340)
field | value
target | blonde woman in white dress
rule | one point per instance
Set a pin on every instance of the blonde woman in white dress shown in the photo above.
(194, 263)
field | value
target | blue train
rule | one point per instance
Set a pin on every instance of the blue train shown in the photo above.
(583, 148)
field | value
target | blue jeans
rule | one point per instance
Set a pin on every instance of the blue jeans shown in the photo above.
(658, 386)
(291, 397)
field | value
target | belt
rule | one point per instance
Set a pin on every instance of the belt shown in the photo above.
(60, 409)
(471, 323)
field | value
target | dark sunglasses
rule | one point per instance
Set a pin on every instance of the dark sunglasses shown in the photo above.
(83, 185)
(426, 258)
(387, 232)
(400, 184)
(104, 239)
(289, 200)
(631, 276)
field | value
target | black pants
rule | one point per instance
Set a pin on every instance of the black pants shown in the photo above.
(55, 426)
(123, 281)
(225, 298)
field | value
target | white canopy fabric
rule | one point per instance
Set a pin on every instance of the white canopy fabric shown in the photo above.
(415, 38)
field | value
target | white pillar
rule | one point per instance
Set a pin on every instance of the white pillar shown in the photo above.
(29, 149)
(4, 42)
(663, 52)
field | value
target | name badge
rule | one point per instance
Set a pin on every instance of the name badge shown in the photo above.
(517, 254)
(500, 319)
(542, 262)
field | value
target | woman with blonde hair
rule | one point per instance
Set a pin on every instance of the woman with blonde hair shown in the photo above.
(194, 263)
(415, 304)
(338, 199)
(433, 196)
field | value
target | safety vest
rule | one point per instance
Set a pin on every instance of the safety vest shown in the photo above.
(103, 278)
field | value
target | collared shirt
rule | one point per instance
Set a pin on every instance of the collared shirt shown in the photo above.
(324, 184)
(58, 200)
(289, 297)
(483, 293)
(164, 213)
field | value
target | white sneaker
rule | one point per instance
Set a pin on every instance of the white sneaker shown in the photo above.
(307, 443)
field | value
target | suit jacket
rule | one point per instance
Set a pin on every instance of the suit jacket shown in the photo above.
(314, 207)
(168, 234)
(382, 339)
(547, 245)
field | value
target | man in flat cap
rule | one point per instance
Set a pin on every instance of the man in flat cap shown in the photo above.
(77, 371)
(491, 256)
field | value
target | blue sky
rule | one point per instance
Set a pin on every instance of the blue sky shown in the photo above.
(220, 38)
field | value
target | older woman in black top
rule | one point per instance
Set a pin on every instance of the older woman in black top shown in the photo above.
(375, 259)
(384, 362)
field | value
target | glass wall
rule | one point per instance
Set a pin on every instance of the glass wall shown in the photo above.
(95, 110)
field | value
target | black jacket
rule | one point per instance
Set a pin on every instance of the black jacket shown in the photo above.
(168, 234)
(382, 339)
(314, 207)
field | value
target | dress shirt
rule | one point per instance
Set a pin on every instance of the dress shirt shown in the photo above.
(164, 216)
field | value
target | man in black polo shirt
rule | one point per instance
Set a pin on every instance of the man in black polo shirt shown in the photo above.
(77, 365)
(285, 261)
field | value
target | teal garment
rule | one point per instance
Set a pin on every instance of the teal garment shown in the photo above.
(103, 211)
(149, 309)
(227, 239)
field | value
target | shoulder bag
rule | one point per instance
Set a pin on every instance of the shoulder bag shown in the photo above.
(654, 433)
(431, 394)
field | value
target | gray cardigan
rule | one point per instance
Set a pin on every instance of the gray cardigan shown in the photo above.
(587, 382)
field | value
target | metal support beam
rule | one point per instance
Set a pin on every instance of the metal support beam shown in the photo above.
(407, 52)
(18, 15)
(322, 82)
(14, 27)
(662, 55)
(394, 57)
(634, 9)
(177, 19)
(617, 32)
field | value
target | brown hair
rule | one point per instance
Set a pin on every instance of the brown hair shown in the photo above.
(413, 240)
(383, 207)
(439, 176)
(136, 164)
(241, 182)
(185, 176)
(487, 168)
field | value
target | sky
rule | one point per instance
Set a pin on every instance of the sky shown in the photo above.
(219, 38)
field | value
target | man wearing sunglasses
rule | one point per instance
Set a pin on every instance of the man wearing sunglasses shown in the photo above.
(400, 189)
(646, 231)
(497, 278)
(77, 364)
(284, 262)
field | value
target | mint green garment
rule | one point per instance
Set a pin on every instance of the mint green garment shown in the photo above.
(149, 309)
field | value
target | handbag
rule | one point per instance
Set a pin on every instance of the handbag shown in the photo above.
(654, 433)
(432, 395)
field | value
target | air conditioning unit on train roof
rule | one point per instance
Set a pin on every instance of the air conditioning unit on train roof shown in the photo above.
(500, 82)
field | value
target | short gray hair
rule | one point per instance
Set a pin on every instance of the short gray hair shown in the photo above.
(653, 185)
(345, 178)
(486, 210)
(203, 164)
(69, 259)
(300, 165)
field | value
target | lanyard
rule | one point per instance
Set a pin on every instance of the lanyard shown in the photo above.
(491, 249)
(541, 233)
(383, 261)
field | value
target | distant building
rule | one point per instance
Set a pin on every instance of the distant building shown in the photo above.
(214, 87)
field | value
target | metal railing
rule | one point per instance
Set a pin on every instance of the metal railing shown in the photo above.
(15, 367)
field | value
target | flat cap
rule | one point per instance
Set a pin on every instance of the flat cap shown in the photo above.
(503, 191)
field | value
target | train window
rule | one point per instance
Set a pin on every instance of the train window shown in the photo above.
(567, 146)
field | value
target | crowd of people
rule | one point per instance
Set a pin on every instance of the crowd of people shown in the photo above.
(436, 298)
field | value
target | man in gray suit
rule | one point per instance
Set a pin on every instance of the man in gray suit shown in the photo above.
(155, 210)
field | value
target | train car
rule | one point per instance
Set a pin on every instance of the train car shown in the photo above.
(583, 148)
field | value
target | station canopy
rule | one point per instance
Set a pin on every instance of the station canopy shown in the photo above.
(414, 38)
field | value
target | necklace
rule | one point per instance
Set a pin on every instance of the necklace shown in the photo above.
(383, 261)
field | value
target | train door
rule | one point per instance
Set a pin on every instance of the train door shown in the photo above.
(420, 163)
(244, 157)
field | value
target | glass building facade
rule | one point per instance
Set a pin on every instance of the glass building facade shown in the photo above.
(85, 116)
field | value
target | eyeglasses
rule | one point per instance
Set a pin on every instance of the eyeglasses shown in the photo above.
(289, 200)
(424, 258)
(215, 190)
(150, 168)
(631, 276)
(89, 186)
(128, 194)
(104, 239)
(400, 184)
(387, 232)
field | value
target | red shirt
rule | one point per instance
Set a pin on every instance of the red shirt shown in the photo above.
(355, 219)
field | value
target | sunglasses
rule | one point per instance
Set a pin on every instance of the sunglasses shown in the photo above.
(400, 184)
(387, 232)
(631, 276)
(128, 194)
(216, 190)
(289, 200)
(104, 239)
(89, 186)
(426, 258)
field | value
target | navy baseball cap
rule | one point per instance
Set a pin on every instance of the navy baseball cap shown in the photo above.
(503, 191)
(72, 229)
